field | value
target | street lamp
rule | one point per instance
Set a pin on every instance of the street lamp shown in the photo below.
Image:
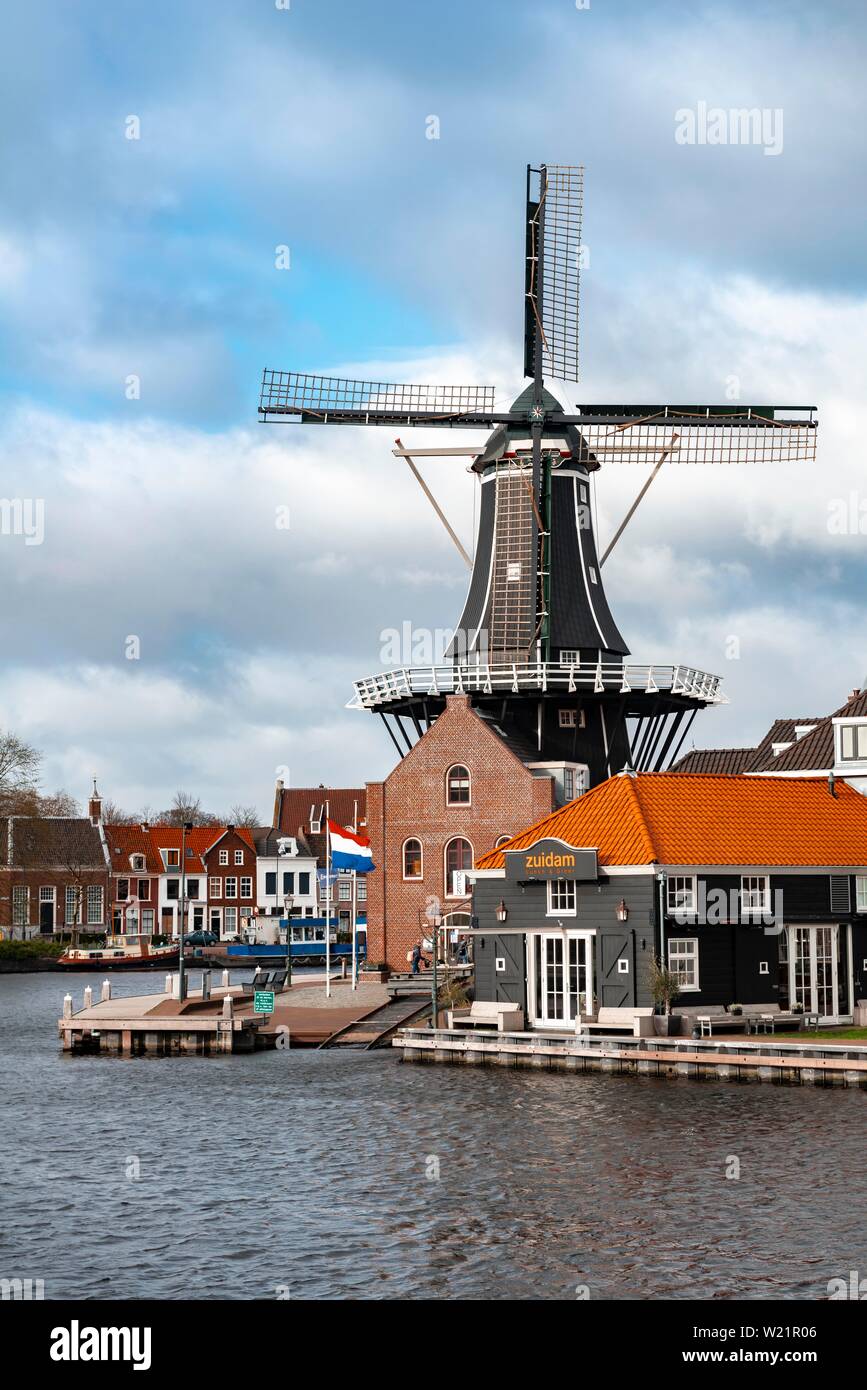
(622, 910)
(288, 902)
(182, 979)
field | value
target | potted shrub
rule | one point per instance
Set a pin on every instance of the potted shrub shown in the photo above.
(736, 1010)
(664, 989)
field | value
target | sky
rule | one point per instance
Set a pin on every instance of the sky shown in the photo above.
(194, 192)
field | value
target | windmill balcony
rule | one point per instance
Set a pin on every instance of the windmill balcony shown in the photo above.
(554, 677)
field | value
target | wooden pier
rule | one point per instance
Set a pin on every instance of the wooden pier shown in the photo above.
(206, 1022)
(801, 1063)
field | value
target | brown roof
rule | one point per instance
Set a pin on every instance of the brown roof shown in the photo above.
(67, 842)
(815, 751)
(295, 805)
(781, 731)
(716, 760)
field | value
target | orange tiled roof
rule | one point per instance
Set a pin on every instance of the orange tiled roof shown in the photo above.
(199, 840)
(686, 818)
(124, 840)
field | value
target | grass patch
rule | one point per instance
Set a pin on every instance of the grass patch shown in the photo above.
(834, 1035)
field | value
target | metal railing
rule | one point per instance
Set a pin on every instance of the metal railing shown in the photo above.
(485, 678)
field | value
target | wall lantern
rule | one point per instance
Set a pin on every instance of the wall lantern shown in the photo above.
(622, 910)
(502, 911)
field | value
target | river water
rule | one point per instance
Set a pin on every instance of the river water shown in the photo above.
(349, 1175)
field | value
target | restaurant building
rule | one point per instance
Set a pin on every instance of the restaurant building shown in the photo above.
(753, 890)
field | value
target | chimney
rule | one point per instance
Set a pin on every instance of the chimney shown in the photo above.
(94, 806)
(144, 826)
(832, 783)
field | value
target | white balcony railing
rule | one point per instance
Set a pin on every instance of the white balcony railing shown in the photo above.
(598, 678)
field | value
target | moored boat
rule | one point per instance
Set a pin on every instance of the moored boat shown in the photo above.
(132, 952)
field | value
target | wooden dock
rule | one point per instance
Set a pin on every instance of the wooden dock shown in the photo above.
(219, 1021)
(801, 1063)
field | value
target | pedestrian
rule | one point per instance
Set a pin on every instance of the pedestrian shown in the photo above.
(417, 958)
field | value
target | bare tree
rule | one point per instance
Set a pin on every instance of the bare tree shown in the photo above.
(112, 814)
(244, 816)
(19, 772)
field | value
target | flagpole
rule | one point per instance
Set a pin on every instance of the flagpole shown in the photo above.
(355, 909)
(327, 901)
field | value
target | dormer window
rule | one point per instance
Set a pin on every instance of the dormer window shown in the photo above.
(137, 862)
(853, 743)
(172, 858)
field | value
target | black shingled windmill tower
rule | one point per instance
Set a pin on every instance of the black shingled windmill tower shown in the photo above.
(537, 649)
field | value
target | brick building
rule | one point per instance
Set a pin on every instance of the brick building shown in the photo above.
(135, 879)
(461, 789)
(54, 873)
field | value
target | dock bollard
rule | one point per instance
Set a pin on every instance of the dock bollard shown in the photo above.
(169, 983)
(206, 984)
(67, 1006)
(105, 992)
(228, 1006)
(225, 979)
(88, 997)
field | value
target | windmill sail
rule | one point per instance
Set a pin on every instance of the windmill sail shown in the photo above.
(555, 210)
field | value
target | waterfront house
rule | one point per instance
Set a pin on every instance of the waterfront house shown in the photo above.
(135, 879)
(285, 869)
(752, 889)
(54, 873)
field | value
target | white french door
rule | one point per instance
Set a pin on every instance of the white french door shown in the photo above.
(813, 970)
(563, 970)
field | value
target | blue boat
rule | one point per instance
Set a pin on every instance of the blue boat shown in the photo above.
(307, 944)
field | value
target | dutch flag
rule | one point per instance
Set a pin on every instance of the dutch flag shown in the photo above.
(350, 851)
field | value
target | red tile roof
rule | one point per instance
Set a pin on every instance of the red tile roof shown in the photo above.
(296, 802)
(684, 818)
(125, 840)
(200, 839)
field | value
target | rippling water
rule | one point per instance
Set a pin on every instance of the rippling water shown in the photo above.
(306, 1171)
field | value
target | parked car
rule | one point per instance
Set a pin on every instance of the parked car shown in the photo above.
(201, 938)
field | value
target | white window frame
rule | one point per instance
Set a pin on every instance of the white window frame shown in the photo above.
(21, 905)
(450, 891)
(239, 858)
(567, 718)
(248, 891)
(469, 780)
(857, 733)
(95, 898)
(230, 920)
(560, 889)
(750, 909)
(411, 878)
(137, 863)
(224, 856)
(169, 861)
(215, 887)
(861, 892)
(685, 949)
(688, 883)
(570, 656)
(230, 892)
(71, 904)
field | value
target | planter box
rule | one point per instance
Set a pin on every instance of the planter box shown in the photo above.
(375, 977)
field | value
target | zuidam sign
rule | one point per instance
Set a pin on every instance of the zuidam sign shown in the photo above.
(550, 859)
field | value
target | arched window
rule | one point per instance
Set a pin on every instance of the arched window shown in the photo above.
(459, 860)
(458, 786)
(502, 840)
(412, 859)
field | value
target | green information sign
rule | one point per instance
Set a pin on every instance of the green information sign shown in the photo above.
(263, 1001)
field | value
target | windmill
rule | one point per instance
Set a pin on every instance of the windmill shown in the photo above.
(537, 649)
